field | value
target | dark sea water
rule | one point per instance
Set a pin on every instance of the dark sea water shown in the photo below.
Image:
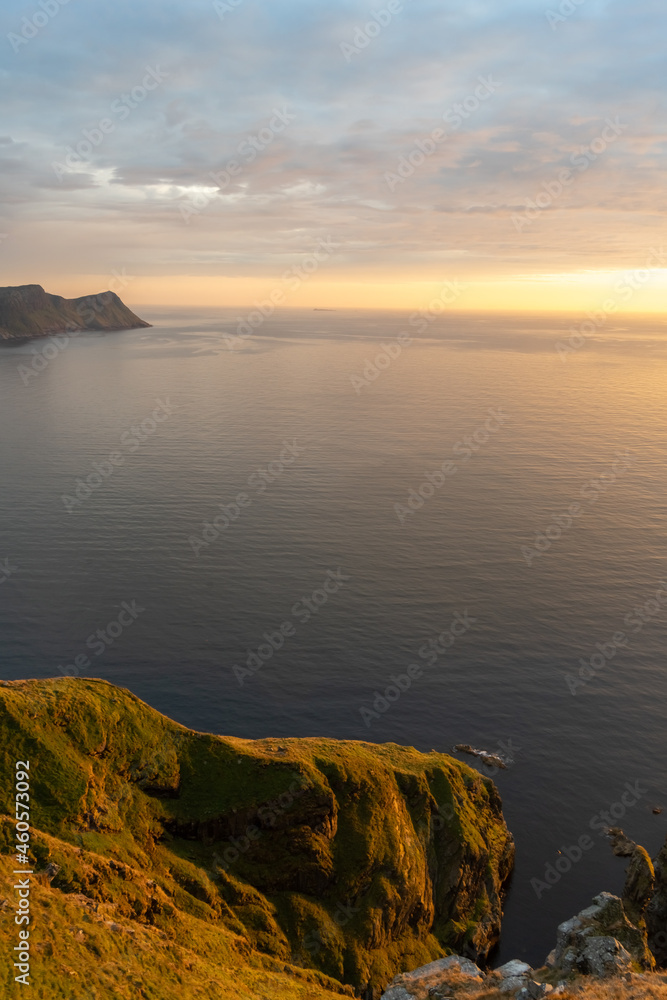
(330, 514)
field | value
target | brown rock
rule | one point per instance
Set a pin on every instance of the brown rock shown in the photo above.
(621, 845)
(639, 885)
(656, 911)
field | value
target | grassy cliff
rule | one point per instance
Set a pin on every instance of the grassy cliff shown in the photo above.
(29, 311)
(237, 868)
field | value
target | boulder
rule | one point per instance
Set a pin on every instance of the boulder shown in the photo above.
(600, 938)
(397, 993)
(432, 979)
(513, 984)
(455, 963)
(514, 968)
(603, 956)
(534, 991)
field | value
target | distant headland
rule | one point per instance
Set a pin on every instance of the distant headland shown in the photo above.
(29, 311)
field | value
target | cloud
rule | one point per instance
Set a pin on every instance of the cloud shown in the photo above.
(355, 121)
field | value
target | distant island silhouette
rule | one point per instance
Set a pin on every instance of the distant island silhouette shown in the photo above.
(29, 311)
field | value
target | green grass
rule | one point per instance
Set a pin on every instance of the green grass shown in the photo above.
(347, 859)
(29, 311)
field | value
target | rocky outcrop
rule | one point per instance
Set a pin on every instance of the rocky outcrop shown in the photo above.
(29, 311)
(351, 859)
(487, 758)
(600, 940)
(621, 844)
(457, 975)
(656, 910)
(639, 886)
(517, 981)
(433, 980)
(612, 940)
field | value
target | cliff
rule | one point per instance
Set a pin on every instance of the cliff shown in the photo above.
(235, 868)
(608, 951)
(29, 311)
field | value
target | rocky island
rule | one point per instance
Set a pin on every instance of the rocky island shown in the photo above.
(29, 311)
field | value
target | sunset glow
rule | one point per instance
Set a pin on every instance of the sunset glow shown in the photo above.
(539, 293)
(210, 152)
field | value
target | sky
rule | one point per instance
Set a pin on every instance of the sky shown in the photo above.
(361, 153)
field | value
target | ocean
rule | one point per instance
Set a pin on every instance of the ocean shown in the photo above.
(335, 527)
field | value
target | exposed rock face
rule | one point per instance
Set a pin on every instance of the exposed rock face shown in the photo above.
(513, 969)
(434, 980)
(608, 940)
(621, 844)
(350, 858)
(600, 940)
(605, 954)
(639, 886)
(601, 956)
(534, 990)
(456, 976)
(514, 976)
(487, 758)
(29, 311)
(656, 911)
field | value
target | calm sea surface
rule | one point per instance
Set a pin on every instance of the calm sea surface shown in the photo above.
(135, 532)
